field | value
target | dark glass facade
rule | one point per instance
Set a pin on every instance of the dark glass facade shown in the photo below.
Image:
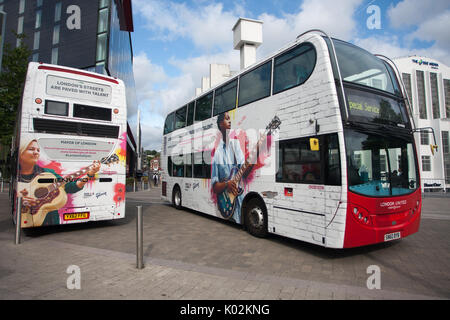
(93, 35)
(120, 56)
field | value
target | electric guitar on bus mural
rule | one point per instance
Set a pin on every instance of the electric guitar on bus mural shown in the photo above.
(226, 200)
(48, 191)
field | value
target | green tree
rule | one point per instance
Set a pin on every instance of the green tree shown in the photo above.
(12, 78)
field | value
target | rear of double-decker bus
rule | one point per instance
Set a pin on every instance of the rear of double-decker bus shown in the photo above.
(383, 189)
(70, 147)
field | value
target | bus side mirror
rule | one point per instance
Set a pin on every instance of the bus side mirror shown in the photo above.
(433, 148)
(314, 144)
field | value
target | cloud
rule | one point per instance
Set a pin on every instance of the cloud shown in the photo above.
(207, 26)
(312, 14)
(435, 29)
(390, 46)
(425, 21)
(408, 13)
(148, 77)
(151, 136)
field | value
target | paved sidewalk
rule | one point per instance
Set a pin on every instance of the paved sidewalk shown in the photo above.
(37, 269)
(28, 271)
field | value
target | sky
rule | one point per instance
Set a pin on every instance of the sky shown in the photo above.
(175, 41)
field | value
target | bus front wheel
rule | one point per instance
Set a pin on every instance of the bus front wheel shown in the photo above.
(176, 198)
(256, 218)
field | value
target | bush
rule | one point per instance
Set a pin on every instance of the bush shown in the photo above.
(130, 181)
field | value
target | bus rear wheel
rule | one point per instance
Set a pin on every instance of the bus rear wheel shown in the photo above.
(255, 218)
(176, 198)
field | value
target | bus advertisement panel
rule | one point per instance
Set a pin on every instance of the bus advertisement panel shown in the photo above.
(70, 147)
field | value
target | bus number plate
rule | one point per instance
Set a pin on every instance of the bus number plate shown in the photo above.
(76, 216)
(392, 236)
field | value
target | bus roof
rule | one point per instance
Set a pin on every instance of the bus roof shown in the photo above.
(77, 72)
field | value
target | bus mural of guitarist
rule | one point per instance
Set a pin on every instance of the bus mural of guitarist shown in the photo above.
(29, 171)
(229, 168)
(228, 156)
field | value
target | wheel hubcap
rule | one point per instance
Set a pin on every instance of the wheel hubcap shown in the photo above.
(177, 198)
(256, 217)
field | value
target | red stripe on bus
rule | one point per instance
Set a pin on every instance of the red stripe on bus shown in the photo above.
(79, 73)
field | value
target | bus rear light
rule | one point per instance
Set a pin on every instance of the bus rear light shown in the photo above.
(116, 111)
(361, 215)
(416, 208)
(38, 100)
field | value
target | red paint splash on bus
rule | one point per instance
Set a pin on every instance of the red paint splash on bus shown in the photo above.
(119, 193)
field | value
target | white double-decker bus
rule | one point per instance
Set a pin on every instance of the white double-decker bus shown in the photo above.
(69, 149)
(314, 142)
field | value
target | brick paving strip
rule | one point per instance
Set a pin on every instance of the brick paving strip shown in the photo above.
(28, 271)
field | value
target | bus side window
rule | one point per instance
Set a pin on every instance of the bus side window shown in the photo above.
(298, 163)
(168, 125)
(190, 114)
(293, 67)
(188, 165)
(169, 166)
(180, 118)
(225, 98)
(203, 107)
(255, 84)
(178, 166)
(202, 169)
(332, 164)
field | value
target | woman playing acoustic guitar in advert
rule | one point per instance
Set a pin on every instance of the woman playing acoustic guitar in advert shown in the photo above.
(43, 202)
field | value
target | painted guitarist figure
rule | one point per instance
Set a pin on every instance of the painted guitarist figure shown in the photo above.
(28, 169)
(228, 156)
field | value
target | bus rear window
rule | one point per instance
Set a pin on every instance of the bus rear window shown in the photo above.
(89, 112)
(56, 108)
(75, 128)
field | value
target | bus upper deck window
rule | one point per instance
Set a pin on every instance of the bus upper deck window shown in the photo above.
(56, 108)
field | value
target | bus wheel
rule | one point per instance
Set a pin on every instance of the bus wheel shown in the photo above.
(176, 198)
(255, 218)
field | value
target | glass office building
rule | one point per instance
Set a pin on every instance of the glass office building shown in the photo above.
(87, 34)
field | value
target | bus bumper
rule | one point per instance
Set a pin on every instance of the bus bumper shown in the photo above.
(387, 219)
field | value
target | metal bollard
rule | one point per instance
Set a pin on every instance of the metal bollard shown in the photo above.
(134, 186)
(139, 239)
(18, 219)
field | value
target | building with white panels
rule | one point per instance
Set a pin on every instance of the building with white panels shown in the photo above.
(427, 82)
